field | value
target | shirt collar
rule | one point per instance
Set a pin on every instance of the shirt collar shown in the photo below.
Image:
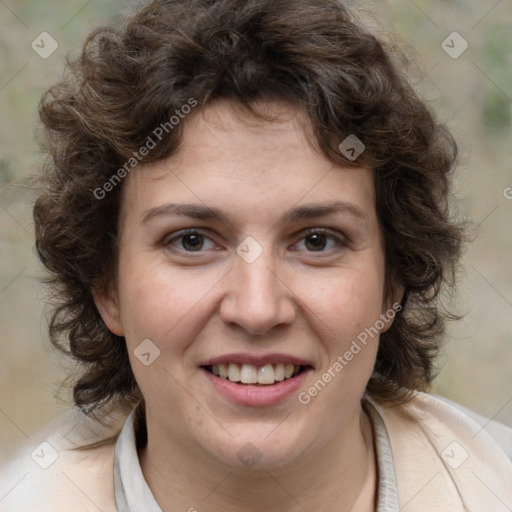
(133, 494)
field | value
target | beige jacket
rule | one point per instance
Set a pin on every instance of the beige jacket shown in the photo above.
(443, 460)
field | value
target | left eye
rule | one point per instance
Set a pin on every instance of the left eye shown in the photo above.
(191, 241)
(318, 241)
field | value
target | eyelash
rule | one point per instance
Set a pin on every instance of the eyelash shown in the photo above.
(340, 241)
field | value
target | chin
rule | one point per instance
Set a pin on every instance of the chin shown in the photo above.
(265, 446)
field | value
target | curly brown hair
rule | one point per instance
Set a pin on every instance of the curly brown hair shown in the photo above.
(131, 78)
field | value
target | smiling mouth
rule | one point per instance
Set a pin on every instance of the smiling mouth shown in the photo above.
(245, 374)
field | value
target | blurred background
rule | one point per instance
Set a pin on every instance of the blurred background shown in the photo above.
(463, 53)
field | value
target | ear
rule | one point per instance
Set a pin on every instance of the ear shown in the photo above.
(391, 305)
(107, 303)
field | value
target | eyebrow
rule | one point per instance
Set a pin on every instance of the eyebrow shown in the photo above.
(202, 212)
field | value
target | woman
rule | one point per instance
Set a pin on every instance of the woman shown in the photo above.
(246, 225)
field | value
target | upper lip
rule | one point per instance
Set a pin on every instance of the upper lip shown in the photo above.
(256, 360)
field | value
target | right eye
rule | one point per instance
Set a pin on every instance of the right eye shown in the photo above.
(189, 241)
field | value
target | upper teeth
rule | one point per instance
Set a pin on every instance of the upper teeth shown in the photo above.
(250, 374)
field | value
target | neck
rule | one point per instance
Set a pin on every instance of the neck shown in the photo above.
(341, 475)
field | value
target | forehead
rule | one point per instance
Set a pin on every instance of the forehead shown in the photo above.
(230, 158)
(226, 130)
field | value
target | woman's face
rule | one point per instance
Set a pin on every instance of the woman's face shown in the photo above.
(249, 253)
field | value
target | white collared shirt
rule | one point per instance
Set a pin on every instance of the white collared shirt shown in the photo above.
(415, 447)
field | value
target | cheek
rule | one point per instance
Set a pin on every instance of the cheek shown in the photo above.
(343, 312)
(347, 302)
(167, 308)
(161, 304)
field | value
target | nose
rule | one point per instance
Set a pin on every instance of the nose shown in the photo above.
(257, 298)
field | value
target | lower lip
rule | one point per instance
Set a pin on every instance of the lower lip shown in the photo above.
(254, 396)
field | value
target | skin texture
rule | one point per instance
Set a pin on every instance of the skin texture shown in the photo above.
(195, 305)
